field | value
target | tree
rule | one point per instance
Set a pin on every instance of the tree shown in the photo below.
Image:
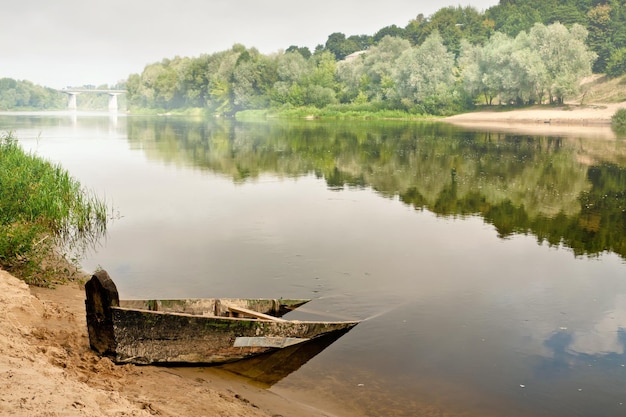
(220, 68)
(567, 14)
(617, 63)
(532, 74)
(304, 51)
(16, 94)
(341, 47)
(414, 30)
(425, 75)
(565, 56)
(379, 65)
(252, 79)
(511, 18)
(600, 34)
(392, 30)
(322, 84)
(292, 72)
(446, 22)
(194, 80)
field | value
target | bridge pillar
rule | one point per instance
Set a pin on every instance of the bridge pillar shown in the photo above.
(71, 100)
(113, 101)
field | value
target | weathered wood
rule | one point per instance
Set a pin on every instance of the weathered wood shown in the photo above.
(193, 331)
(101, 294)
(149, 337)
(255, 314)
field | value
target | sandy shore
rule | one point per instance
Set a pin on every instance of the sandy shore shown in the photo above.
(594, 119)
(48, 370)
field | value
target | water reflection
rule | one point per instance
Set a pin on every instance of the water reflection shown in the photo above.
(270, 368)
(563, 191)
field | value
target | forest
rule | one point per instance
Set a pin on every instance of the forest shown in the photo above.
(517, 52)
(435, 77)
(26, 95)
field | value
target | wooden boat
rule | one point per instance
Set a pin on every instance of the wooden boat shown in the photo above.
(193, 331)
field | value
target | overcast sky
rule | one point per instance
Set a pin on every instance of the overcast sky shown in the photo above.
(75, 42)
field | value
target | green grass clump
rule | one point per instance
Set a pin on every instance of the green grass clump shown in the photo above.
(331, 112)
(618, 120)
(44, 214)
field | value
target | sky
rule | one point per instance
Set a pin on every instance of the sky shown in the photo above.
(79, 42)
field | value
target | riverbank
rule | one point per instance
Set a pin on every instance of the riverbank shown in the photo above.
(47, 369)
(566, 120)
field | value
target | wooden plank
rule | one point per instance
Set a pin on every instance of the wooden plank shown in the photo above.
(252, 313)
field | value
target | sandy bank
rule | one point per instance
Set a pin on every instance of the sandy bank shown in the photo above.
(594, 119)
(48, 370)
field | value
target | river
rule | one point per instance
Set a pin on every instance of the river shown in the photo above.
(488, 268)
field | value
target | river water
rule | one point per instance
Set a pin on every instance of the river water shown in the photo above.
(488, 268)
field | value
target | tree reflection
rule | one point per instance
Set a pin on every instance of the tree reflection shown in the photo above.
(519, 183)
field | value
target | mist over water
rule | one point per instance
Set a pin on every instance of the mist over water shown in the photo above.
(488, 268)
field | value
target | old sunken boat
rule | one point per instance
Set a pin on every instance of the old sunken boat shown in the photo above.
(194, 331)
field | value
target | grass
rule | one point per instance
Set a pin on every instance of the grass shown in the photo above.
(331, 112)
(618, 120)
(45, 215)
(602, 89)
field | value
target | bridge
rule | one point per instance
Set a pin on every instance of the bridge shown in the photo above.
(74, 92)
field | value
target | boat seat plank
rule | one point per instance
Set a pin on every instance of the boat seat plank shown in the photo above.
(252, 313)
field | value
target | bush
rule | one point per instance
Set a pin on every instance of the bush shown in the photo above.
(618, 120)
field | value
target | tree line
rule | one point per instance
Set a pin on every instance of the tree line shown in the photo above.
(338, 72)
(26, 95)
(605, 20)
(544, 64)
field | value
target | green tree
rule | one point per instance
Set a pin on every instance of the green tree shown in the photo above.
(601, 28)
(16, 94)
(304, 51)
(340, 46)
(617, 63)
(292, 72)
(424, 75)
(495, 70)
(512, 18)
(392, 30)
(565, 56)
(379, 65)
(321, 87)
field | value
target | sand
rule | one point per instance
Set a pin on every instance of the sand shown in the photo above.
(48, 370)
(569, 120)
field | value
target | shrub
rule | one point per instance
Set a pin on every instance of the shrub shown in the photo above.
(618, 120)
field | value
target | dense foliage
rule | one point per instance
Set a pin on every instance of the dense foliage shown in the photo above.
(515, 52)
(24, 95)
(43, 211)
(437, 76)
(519, 51)
(619, 120)
(28, 96)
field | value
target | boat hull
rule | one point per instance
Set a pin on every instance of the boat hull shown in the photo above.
(144, 336)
